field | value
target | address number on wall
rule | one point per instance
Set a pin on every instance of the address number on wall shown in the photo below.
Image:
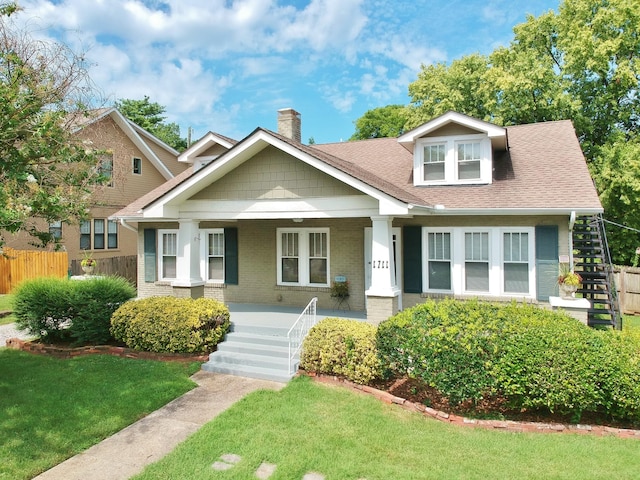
(380, 263)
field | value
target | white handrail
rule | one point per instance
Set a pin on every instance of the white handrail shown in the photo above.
(299, 330)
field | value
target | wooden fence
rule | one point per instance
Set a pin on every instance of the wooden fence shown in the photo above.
(125, 266)
(19, 265)
(628, 285)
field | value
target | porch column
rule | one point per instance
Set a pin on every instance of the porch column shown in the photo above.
(382, 296)
(188, 262)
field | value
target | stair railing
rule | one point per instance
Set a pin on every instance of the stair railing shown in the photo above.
(615, 300)
(299, 330)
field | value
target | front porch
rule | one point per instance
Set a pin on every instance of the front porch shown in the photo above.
(282, 316)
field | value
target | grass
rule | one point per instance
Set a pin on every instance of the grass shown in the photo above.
(51, 409)
(631, 322)
(344, 435)
(6, 303)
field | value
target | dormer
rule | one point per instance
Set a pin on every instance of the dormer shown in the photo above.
(206, 150)
(454, 149)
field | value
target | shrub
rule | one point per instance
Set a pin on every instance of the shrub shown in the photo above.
(535, 358)
(56, 309)
(342, 347)
(170, 324)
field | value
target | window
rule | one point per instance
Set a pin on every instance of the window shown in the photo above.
(468, 159)
(439, 261)
(137, 165)
(434, 156)
(85, 235)
(55, 229)
(214, 255)
(112, 234)
(98, 234)
(168, 254)
(516, 262)
(303, 256)
(105, 168)
(476, 266)
(453, 160)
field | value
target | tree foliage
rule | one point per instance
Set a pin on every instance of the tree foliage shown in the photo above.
(148, 115)
(381, 122)
(46, 173)
(580, 63)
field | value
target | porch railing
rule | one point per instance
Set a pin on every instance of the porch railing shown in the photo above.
(296, 334)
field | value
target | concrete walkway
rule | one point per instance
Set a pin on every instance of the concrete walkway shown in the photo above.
(148, 440)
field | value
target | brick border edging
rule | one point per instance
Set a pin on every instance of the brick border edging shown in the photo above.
(503, 425)
(71, 352)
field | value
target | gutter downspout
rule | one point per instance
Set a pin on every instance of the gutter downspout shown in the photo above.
(127, 226)
(572, 222)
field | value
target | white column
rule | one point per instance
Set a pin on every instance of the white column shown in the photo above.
(188, 265)
(382, 262)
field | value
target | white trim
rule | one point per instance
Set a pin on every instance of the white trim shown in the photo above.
(193, 152)
(303, 256)
(451, 160)
(496, 260)
(161, 232)
(204, 255)
(444, 211)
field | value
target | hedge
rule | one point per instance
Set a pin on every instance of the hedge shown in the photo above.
(171, 324)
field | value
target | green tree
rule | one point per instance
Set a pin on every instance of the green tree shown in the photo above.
(46, 173)
(148, 115)
(381, 122)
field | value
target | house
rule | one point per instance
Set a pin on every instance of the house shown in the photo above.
(456, 206)
(137, 163)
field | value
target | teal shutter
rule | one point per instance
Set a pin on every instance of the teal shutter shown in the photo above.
(546, 261)
(150, 255)
(412, 255)
(231, 256)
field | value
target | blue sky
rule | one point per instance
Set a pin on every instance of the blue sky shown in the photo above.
(228, 66)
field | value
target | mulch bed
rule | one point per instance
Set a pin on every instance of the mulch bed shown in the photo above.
(492, 414)
(67, 351)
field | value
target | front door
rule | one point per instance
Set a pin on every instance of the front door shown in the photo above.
(397, 260)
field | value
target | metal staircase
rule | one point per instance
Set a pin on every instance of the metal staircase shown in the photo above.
(593, 263)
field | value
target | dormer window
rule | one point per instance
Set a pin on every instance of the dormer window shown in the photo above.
(452, 160)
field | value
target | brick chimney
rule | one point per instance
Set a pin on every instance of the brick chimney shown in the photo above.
(289, 124)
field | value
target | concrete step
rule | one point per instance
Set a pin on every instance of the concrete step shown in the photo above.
(252, 338)
(255, 351)
(235, 346)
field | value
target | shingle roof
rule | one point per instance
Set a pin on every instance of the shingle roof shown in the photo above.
(544, 168)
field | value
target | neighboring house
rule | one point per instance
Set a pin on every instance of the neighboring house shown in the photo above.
(137, 163)
(457, 206)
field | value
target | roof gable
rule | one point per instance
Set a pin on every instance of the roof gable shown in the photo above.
(451, 121)
(208, 148)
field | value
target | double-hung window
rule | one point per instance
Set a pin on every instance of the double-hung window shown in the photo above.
(98, 233)
(515, 264)
(214, 255)
(85, 235)
(468, 157)
(105, 168)
(434, 157)
(55, 230)
(438, 260)
(476, 261)
(303, 256)
(168, 254)
(112, 234)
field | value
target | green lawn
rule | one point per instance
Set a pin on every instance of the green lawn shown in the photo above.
(51, 409)
(344, 435)
(6, 303)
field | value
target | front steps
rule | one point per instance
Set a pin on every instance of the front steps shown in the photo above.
(254, 351)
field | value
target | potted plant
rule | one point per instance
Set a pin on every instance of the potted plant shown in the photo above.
(88, 264)
(340, 289)
(568, 282)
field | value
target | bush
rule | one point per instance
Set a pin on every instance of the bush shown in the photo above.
(342, 347)
(534, 358)
(59, 310)
(170, 324)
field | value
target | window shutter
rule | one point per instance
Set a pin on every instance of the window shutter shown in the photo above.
(149, 255)
(412, 255)
(546, 261)
(231, 256)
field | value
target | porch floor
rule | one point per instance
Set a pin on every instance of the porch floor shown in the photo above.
(281, 315)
